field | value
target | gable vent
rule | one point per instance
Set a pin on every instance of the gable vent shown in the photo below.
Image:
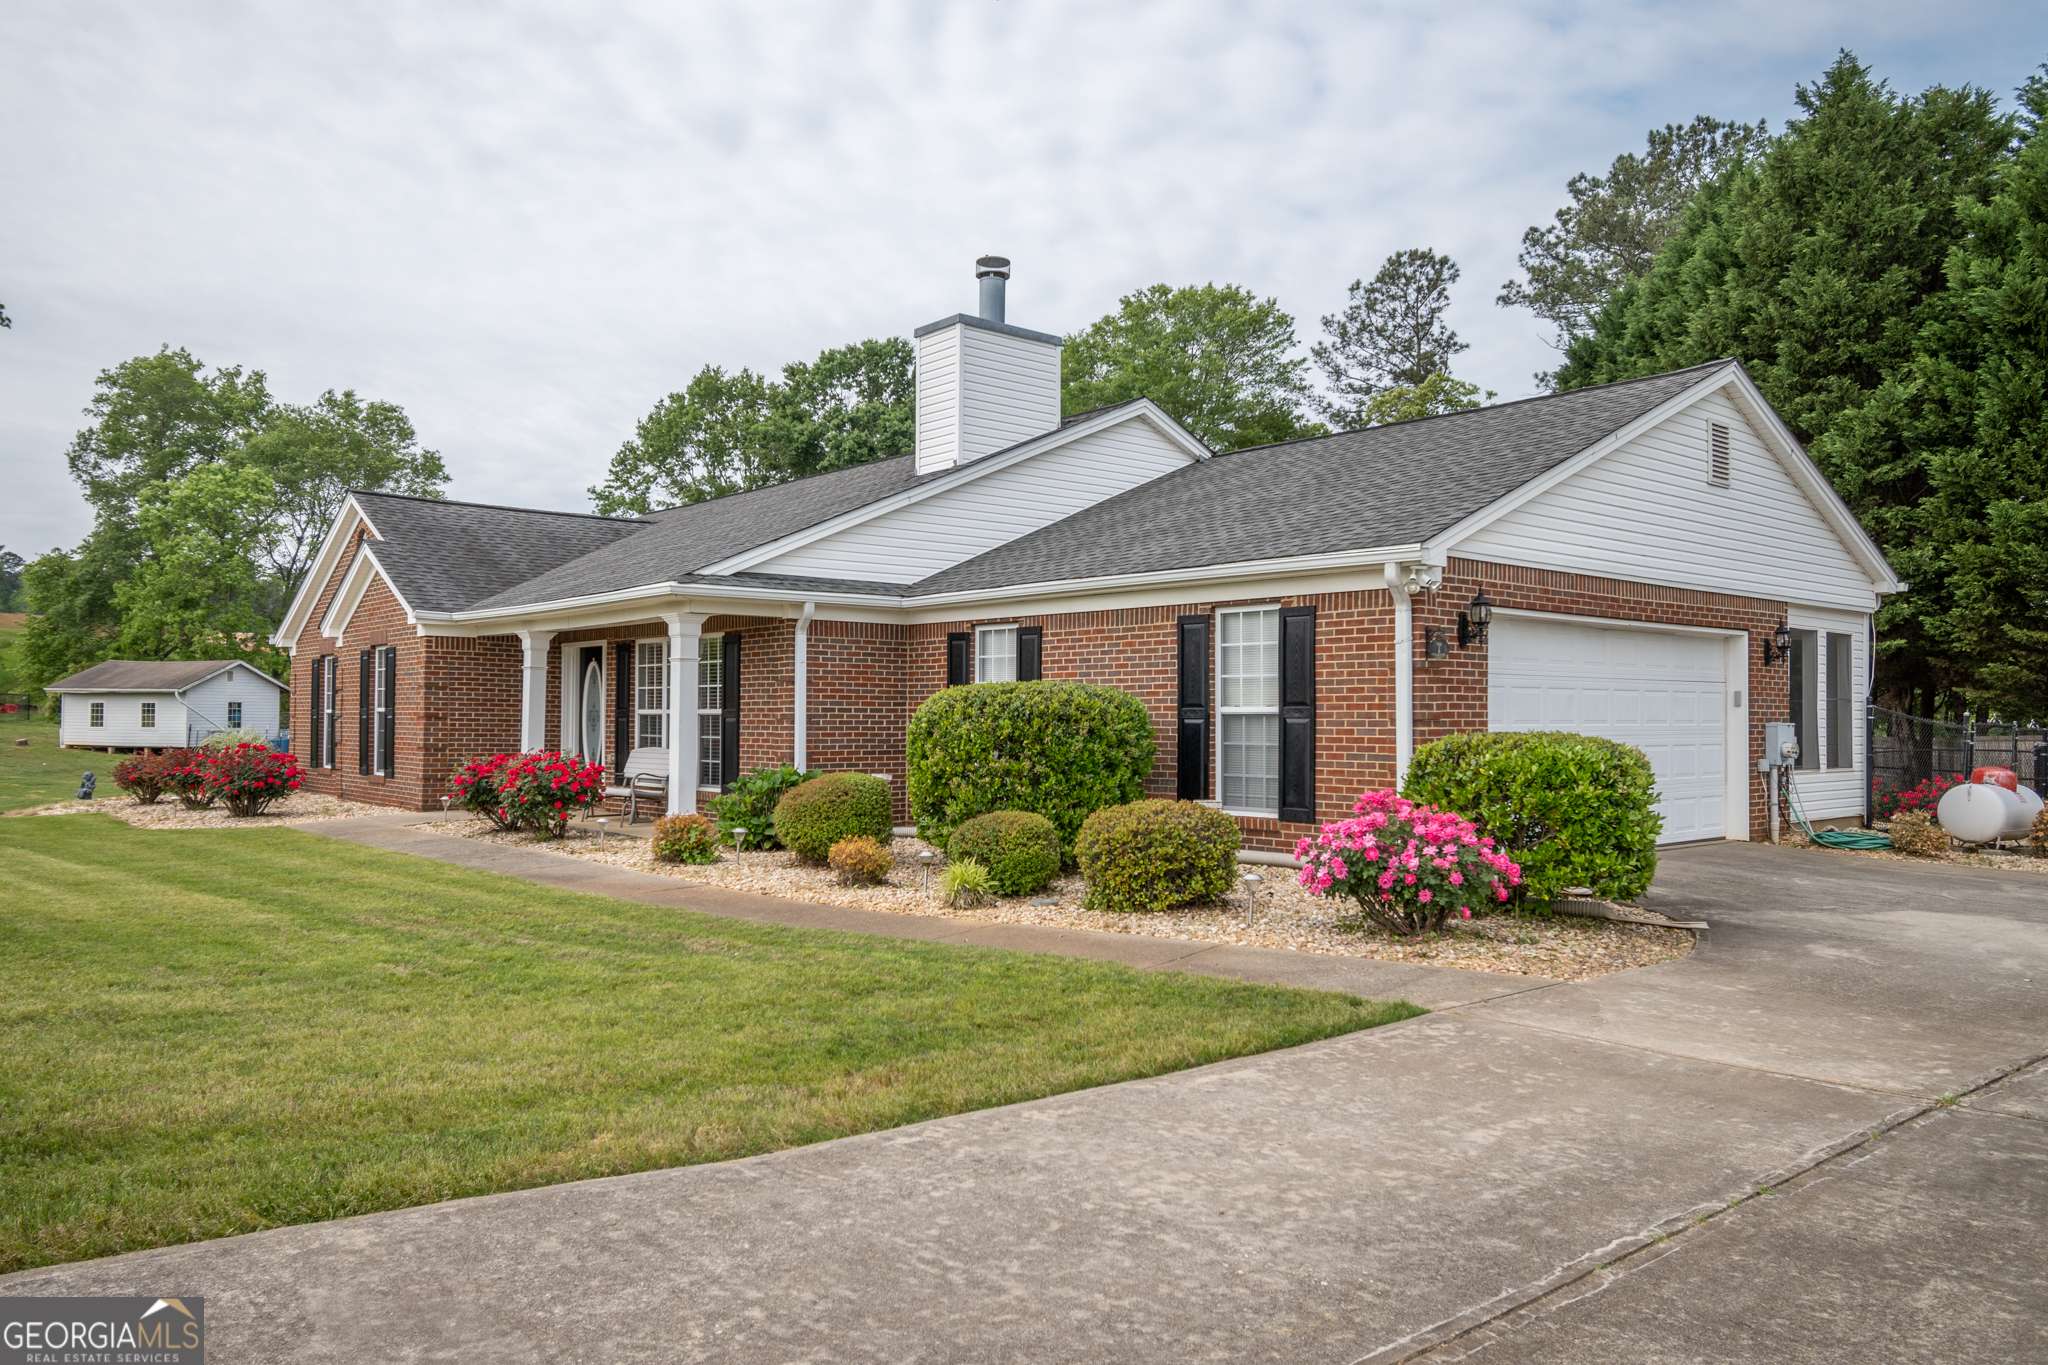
(1717, 454)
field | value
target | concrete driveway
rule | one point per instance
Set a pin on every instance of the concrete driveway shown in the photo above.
(1567, 1173)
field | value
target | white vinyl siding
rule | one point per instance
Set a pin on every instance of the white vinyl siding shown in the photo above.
(1650, 512)
(938, 400)
(650, 694)
(948, 528)
(120, 720)
(1248, 710)
(1832, 788)
(711, 711)
(995, 654)
(257, 693)
(980, 391)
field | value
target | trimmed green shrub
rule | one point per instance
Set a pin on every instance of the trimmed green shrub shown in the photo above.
(1155, 855)
(685, 839)
(965, 883)
(861, 861)
(814, 815)
(1058, 749)
(1021, 850)
(1573, 810)
(750, 805)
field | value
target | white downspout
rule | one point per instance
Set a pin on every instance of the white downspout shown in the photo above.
(1404, 672)
(801, 723)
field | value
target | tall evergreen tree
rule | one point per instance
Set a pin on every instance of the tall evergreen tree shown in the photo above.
(1391, 334)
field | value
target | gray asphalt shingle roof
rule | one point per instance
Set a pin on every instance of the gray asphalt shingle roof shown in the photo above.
(1391, 485)
(446, 555)
(147, 675)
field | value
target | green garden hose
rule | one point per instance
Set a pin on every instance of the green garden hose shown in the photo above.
(1832, 838)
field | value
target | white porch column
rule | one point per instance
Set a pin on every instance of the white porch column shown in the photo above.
(533, 689)
(800, 726)
(1404, 670)
(572, 700)
(685, 632)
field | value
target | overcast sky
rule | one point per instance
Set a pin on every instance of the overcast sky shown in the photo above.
(525, 226)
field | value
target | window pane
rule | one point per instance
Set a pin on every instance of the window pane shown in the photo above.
(651, 731)
(710, 758)
(234, 715)
(711, 673)
(148, 714)
(1251, 763)
(99, 713)
(1805, 701)
(1841, 703)
(995, 654)
(1248, 670)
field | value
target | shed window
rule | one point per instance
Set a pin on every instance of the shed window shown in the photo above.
(1805, 684)
(234, 715)
(97, 716)
(149, 715)
(711, 711)
(1248, 703)
(995, 654)
(650, 694)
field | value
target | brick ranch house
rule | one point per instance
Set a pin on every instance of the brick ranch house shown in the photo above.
(1295, 617)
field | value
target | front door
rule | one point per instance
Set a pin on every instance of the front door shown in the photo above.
(591, 711)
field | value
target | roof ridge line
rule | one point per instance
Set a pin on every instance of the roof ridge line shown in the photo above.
(491, 506)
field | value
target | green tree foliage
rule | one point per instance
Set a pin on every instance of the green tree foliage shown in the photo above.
(11, 565)
(1614, 226)
(1391, 335)
(728, 432)
(155, 418)
(313, 454)
(1821, 265)
(1434, 396)
(1218, 358)
(197, 593)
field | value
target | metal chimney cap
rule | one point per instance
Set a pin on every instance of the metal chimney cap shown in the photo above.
(999, 266)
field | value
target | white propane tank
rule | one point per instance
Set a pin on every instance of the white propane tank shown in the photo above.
(1979, 812)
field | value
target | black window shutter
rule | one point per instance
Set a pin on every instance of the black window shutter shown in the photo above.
(389, 747)
(1192, 748)
(729, 722)
(364, 681)
(1030, 653)
(1297, 713)
(316, 717)
(622, 717)
(958, 647)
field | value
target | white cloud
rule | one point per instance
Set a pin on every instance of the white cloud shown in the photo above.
(525, 227)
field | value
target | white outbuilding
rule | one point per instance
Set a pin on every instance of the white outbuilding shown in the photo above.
(135, 704)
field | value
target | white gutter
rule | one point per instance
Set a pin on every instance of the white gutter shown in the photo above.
(800, 726)
(1404, 671)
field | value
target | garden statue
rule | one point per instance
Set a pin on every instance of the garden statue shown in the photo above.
(85, 785)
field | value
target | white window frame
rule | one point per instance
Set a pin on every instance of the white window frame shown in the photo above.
(380, 762)
(149, 715)
(329, 731)
(1838, 720)
(96, 715)
(234, 715)
(983, 672)
(710, 712)
(650, 691)
(1222, 710)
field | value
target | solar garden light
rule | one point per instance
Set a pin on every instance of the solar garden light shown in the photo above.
(1251, 882)
(924, 863)
(739, 838)
(603, 824)
(446, 801)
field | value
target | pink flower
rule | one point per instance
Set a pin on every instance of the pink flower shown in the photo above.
(1457, 879)
(1424, 895)
(1464, 912)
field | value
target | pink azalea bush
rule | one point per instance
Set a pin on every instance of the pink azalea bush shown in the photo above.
(1410, 867)
(540, 791)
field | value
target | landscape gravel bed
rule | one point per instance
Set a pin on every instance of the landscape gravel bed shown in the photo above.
(2017, 857)
(298, 809)
(1276, 913)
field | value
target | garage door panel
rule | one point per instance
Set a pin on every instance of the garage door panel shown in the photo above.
(1663, 692)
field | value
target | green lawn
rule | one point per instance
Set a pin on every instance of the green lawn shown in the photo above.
(211, 1032)
(42, 772)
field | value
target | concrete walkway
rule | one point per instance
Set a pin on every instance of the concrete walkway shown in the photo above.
(1564, 1173)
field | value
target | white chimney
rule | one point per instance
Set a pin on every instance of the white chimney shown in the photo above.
(983, 385)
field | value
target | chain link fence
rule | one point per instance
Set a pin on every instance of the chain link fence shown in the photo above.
(1912, 755)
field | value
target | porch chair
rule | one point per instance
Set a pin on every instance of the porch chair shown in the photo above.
(645, 775)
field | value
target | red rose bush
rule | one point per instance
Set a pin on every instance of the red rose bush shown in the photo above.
(539, 791)
(245, 778)
(1410, 867)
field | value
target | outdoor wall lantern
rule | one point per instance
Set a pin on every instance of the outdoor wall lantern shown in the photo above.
(1778, 645)
(1473, 621)
(1434, 643)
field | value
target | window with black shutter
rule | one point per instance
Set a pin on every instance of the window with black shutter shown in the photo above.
(1030, 653)
(622, 711)
(387, 720)
(330, 712)
(363, 688)
(1297, 713)
(1192, 745)
(958, 647)
(316, 714)
(729, 714)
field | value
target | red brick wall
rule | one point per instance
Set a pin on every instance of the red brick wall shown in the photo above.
(858, 702)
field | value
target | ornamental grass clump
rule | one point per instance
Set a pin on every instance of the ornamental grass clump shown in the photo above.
(965, 884)
(684, 839)
(1409, 867)
(539, 792)
(247, 778)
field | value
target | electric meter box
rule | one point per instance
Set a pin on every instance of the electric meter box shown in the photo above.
(1781, 744)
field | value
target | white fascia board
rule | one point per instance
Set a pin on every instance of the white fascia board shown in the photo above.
(282, 687)
(295, 616)
(1145, 410)
(115, 691)
(1200, 576)
(350, 596)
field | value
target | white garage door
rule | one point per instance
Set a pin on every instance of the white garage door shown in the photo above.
(1661, 691)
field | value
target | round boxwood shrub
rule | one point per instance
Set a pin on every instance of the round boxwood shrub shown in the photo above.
(1020, 849)
(1573, 810)
(812, 816)
(1058, 749)
(1154, 855)
(684, 839)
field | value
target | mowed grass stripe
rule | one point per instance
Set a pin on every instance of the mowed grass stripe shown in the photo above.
(212, 1032)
